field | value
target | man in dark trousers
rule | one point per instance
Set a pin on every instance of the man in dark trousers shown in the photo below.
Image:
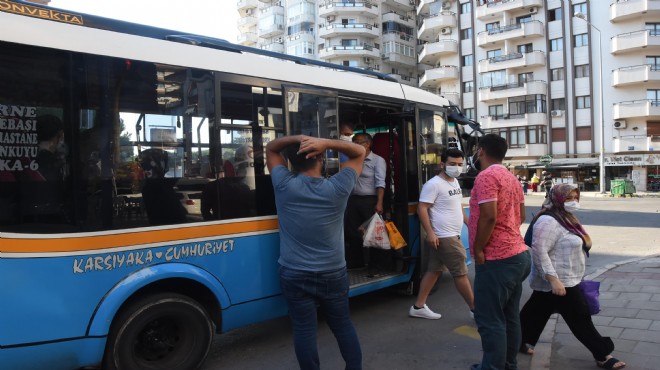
(313, 272)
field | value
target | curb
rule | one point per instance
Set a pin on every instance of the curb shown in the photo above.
(543, 349)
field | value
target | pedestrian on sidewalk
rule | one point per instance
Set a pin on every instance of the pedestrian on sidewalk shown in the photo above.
(535, 183)
(547, 182)
(559, 247)
(442, 217)
(497, 209)
(311, 217)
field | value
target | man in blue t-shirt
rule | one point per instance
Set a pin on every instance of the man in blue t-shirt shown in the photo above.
(310, 209)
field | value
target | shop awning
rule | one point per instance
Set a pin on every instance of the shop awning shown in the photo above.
(567, 163)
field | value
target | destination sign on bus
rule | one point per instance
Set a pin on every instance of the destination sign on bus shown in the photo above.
(33, 11)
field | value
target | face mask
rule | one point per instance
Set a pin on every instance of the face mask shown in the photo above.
(345, 137)
(571, 206)
(453, 171)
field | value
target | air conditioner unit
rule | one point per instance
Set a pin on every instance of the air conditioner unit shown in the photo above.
(619, 124)
(445, 30)
(330, 18)
(367, 60)
(249, 11)
(533, 10)
(557, 113)
(279, 40)
(446, 4)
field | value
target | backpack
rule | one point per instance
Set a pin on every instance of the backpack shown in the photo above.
(530, 228)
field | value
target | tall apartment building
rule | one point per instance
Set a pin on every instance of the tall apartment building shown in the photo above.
(528, 70)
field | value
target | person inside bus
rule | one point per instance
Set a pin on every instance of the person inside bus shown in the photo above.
(313, 272)
(346, 134)
(43, 185)
(227, 198)
(160, 200)
(365, 200)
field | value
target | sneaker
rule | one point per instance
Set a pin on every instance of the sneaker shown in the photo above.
(423, 313)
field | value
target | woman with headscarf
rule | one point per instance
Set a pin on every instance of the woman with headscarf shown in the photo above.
(559, 246)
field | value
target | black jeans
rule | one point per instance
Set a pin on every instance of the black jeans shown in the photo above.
(358, 210)
(573, 308)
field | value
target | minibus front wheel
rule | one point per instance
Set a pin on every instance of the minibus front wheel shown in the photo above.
(160, 331)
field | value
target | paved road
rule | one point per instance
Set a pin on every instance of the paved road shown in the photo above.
(621, 229)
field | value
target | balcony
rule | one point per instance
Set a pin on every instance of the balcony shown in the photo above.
(398, 18)
(487, 94)
(648, 109)
(432, 51)
(535, 58)
(633, 9)
(424, 6)
(398, 59)
(246, 23)
(406, 80)
(398, 37)
(433, 77)
(358, 8)
(337, 51)
(271, 10)
(247, 39)
(351, 29)
(635, 41)
(511, 32)
(635, 75)
(244, 5)
(405, 5)
(305, 36)
(515, 120)
(277, 47)
(432, 26)
(271, 30)
(493, 9)
(453, 97)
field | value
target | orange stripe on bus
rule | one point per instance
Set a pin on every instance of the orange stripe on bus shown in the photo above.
(70, 244)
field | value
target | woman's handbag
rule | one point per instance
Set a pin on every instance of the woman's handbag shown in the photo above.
(590, 292)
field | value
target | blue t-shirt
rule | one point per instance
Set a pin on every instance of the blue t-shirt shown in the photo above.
(311, 218)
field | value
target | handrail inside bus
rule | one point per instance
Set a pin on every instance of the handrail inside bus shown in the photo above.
(210, 42)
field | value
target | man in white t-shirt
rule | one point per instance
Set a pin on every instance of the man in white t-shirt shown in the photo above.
(441, 214)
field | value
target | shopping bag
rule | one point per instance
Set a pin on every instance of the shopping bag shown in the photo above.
(376, 234)
(396, 239)
(590, 292)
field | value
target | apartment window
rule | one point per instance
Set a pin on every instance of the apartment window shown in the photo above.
(558, 104)
(468, 60)
(493, 53)
(466, 34)
(654, 62)
(492, 26)
(525, 77)
(536, 134)
(469, 113)
(580, 8)
(468, 86)
(466, 8)
(582, 102)
(556, 44)
(557, 74)
(495, 78)
(525, 48)
(580, 40)
(558, 134)
(524, 19)
(583, 133)
(496, 111)
(582, 71)
(653, 28)
(517, 137)
(654, 97)
(554, 14)
(520, 105)
(349, 42)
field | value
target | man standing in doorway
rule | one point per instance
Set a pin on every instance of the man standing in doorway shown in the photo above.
(442, 217)
(311, 218)
(497, 209)
(366, 199)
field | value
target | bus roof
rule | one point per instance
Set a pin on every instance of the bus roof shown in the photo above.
(37, 25)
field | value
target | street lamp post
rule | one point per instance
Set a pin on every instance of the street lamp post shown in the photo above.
(600, 101)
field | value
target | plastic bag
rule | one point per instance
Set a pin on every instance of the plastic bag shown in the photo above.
(590, 292)
(376, 233)
(396, 239)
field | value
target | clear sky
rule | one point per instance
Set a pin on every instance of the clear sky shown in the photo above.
(215, 18)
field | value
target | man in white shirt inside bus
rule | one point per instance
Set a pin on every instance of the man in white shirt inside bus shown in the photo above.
(442, 217)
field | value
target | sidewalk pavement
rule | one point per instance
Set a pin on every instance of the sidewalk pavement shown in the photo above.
(630, 315)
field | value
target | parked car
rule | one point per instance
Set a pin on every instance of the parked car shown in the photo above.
(191, 201)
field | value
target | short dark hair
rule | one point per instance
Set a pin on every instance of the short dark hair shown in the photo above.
(365, 135)
(451, 152)
(494, 145)
(48, 126)
(298, 161)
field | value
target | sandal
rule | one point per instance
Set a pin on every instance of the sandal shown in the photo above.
(611, 364)
(527, 349)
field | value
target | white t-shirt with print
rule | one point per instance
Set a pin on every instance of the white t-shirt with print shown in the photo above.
(446, 211)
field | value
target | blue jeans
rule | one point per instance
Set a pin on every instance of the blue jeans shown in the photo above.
(497, 291)
(303, 291)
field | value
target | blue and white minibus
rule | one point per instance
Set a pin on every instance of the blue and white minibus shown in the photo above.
(137, 216)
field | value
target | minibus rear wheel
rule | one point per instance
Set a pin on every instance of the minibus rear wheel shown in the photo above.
(160, 331)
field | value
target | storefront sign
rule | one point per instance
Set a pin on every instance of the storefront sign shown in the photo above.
(633, 160)
(546, 159)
